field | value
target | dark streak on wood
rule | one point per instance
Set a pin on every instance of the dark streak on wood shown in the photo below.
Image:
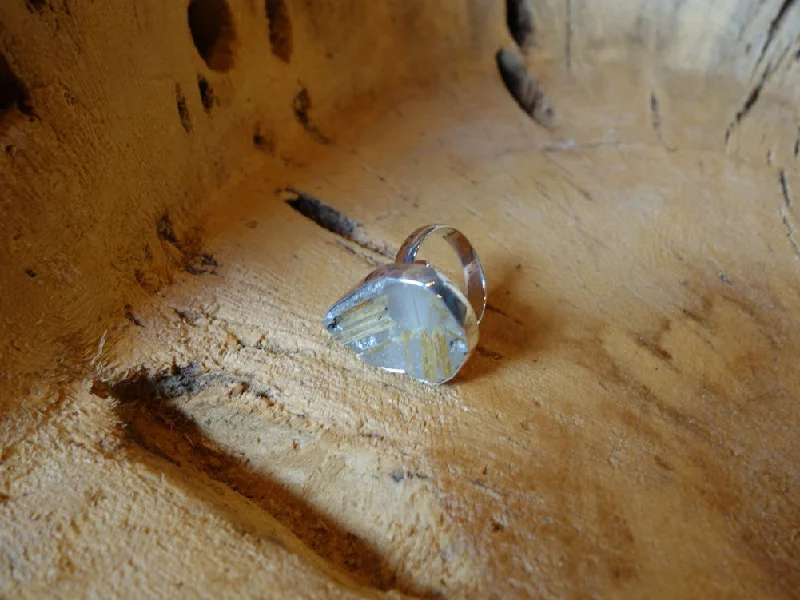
(797, 141)
(486, 486)
(786, 190)
(280, 29)
(774, 26)
(165, 230)
(655, 119)
(301, 105)
(654, 111)
(790, 234)
(568, 36)
(486, 353)
(755, 93)
(663, 463)
(188, 316)
(365, 257)
(131, 317)
(519, 19)
(207, 97)
(494, 309)
(201, 264)
(264, 141)
(786, 211)
(13, 92)
(183, 110)
(694, 316)
(334, 220)
(524, 88)
(753, 96)
(653, 348)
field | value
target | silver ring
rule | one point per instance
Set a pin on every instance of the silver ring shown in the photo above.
(473, 270)
(407, 317)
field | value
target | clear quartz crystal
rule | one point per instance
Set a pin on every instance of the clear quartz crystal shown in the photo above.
(409, 319)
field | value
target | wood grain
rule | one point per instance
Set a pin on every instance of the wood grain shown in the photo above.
(628, 426)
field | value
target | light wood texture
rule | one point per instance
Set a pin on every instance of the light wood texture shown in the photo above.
(628, 427)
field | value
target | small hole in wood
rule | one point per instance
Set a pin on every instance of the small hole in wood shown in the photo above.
(13, 93)
(183, 110)
(263, 140)
(39, 6)
(519, 19)
(207, 97)
(213, 33)
(280, 29)
(524, 88)
(301, 105)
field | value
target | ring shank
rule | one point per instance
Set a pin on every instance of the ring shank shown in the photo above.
(473, 271)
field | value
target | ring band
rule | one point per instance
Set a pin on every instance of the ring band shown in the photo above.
(473, 270)
(408, 317)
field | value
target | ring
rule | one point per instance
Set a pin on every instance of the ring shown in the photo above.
(407, 317)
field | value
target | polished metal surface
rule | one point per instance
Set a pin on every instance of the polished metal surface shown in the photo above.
(473, 270)
(408, 317)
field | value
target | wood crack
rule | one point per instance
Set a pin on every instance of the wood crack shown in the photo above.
(769, 70)
(569, 180)
(786, 212)
(748, 104)
(524, 88)
(301, 105)
(774, 26)
(655, 118)
(568, 36)
(365, 257)
(494, 309)
(790, 234)
(335, 221)
(521, 26)
(786, 190)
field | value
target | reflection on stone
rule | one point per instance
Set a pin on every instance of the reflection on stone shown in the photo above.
(405, 326)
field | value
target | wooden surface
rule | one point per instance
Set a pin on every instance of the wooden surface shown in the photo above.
(628, 426)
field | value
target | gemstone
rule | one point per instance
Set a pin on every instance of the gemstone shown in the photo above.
(407, 318)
